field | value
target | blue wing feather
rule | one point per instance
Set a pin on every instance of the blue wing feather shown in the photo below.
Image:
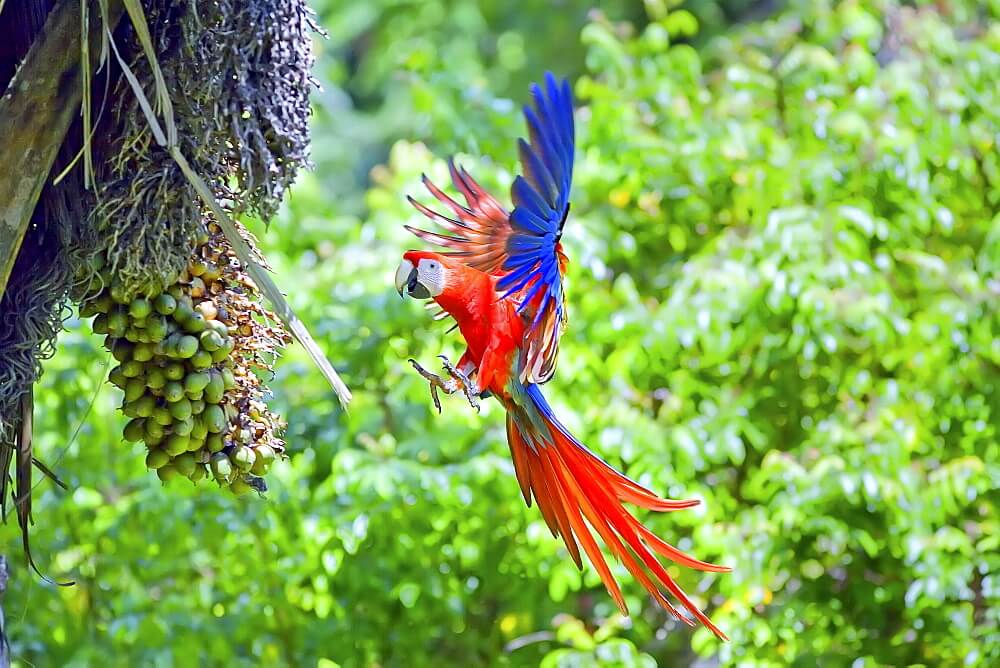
(541, 197)
(525, 196)
(537, 173)
(541, 204)
(523, 220)
(517, 279)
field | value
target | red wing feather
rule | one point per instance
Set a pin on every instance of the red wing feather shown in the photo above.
(479, 230)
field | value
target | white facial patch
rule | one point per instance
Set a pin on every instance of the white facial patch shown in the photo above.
(430, 274)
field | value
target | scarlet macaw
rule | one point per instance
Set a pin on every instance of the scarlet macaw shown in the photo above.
(501, 281)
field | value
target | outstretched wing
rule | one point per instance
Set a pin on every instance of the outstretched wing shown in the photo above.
(522, 248)
(479, 230)
(535, 263)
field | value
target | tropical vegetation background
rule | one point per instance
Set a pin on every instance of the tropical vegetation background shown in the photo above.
(784, 300)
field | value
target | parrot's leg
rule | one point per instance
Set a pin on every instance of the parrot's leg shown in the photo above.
(469, 368)
(458, 381)
(469, 388)
(436, 382)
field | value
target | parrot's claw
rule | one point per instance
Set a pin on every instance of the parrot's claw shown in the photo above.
(469, 388)
(451, 385)
(435, 381)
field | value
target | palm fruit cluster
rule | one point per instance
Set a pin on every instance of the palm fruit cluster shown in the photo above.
(189, 360)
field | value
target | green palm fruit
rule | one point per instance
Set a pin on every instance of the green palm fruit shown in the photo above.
(222, 468)
(134, 389)
(102, 302)
(121, 350)
(153, 430)
(199, 473)
(88, 310)
(215, 389)
(153, 442)
(239, 487)
(118, 293)
(140, 308)
(157, 329)
(174, 371)
(156, 459)
(176, 444)
(185, 463)
(264, 457)
(183, 311)
(100, 324)
(214, 443)
(201, 360)
(184, 427)
(194, 323)
(187, 346)
(165, 304)
(133, 431)
(211, 340)
(117, 378)
(242, 458)
(145, 405)
(162, 416)
(117, 322)
(197, 381)
(168, 347)
(155, 378)
(196, 444)
(215, 418)
(173, 391)
(200, 430)
(224, 350)
(133, 369)
(143, 352)
(219, 327)
(180, 409)
(228, 379)
(167, 472)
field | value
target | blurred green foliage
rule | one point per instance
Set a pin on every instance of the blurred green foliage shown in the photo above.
(783, 297)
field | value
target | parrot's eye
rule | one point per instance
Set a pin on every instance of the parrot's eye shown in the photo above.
(427, 279)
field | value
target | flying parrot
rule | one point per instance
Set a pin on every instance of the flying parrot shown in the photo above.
(501, 279)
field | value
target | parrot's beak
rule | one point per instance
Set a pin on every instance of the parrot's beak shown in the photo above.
(406, 281)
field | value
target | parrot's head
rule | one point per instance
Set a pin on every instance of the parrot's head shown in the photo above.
(422, 274)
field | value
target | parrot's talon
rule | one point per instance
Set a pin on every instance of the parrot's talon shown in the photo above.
(435, 398)
(473, 391)
(457, 381)
(469, 388)
(435, 381)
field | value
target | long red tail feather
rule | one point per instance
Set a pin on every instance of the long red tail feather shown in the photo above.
(570, 483)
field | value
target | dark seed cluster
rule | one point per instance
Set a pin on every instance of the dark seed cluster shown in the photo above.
(239, 76)
(188, 364)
